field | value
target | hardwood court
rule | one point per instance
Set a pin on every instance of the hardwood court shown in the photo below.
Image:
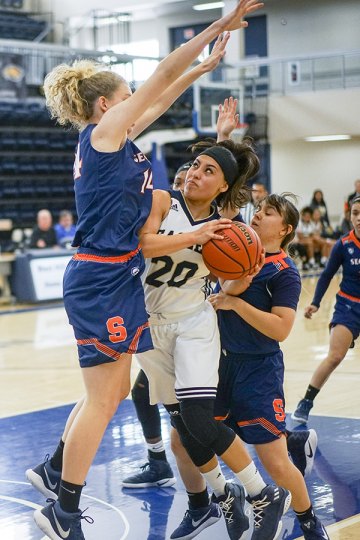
(39, 372)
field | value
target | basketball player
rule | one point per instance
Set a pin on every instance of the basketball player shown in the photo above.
(157, 471)
(183, 367)
(113, 190)
(256, 313)
(345, 324)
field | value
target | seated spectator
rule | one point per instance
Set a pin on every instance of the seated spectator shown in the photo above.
(258, 192)
(356, 192)
(43, 235)
(65, 229)
(318, 202)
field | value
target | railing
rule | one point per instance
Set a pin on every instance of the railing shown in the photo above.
(288, 75)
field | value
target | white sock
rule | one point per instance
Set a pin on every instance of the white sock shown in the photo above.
(323, 260)
(312, 261)
(216, 480)
(251, 479)
(156, 447)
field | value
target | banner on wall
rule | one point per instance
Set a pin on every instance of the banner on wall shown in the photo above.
(12, 76)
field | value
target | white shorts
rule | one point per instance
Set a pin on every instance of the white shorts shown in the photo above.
(185, 360)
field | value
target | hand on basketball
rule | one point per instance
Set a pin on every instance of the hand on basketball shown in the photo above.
(221, 301)
(228, 119)
(211, 230)
(218, 52)
(309, 311)
(233, 20)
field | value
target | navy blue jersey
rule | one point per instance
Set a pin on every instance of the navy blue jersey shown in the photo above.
(345, 253)
(277, 284)
(113, 192)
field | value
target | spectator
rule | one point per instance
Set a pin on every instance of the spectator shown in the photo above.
(356, 192)
(304, 236)
(318, 202)
(258, 193)
(43, 235)
(346, 225)
(180, 175)
(322, 238)
(65, 229)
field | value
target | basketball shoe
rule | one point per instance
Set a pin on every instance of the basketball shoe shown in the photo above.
(232, 505)
(155, 473)
(301, 414)
(58, 525)
(314, 530)
(268, 508)
(302, 448)
(45, 479)
(195, 521)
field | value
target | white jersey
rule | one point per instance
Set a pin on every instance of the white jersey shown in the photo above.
(175, 285)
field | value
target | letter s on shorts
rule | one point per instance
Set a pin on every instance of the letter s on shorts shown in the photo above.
(116, 329)
(278, 406)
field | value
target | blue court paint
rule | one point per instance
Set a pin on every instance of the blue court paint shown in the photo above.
(152, 514)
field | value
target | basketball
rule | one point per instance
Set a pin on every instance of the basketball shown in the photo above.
(235, 255)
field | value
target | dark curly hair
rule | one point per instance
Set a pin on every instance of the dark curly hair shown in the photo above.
(238, 193)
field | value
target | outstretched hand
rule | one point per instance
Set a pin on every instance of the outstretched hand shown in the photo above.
(228, 119)
(217, 53)
(233, 20)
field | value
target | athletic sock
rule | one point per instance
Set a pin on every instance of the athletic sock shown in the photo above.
(216, 480)
(156, 450)
(311, 392)
(251, 479)
(69, 496)
(305, 516)
(198, 500)
(57, 459)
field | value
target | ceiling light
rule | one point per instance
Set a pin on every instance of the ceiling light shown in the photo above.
(212, 5)
(322, 138)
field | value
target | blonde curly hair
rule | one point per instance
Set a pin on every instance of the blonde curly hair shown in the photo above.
(72, 89)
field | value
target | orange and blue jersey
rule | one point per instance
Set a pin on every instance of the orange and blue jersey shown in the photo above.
(345, 253)
(103, 293)
(277, 284)
(113, 193)
(251, 371)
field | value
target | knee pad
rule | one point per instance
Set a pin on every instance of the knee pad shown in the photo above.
(198, 417)
(198, 453)
(140, 390)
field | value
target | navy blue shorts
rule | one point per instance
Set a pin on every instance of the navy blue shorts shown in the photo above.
(251, 393)
(104, 301)
(347, 313)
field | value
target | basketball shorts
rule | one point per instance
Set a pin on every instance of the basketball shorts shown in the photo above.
(251, 393)
(347, 313)
(105, 304)
(185, 360)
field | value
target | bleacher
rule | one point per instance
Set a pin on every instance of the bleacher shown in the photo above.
(36, 160)
(17, 25)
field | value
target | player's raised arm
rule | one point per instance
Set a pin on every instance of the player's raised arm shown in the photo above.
(114, 124)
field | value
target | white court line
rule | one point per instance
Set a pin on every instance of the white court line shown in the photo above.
(37, 506)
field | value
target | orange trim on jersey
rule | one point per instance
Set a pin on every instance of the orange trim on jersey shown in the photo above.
(264, 423)
(108, 351)
(221, 418)
(101, 259)
(278, 258)
(351, 237)
(135, 342)
(349, 297)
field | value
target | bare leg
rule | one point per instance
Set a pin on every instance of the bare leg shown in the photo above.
(106, 386)
(274, 456)
(72, 417)
(340, 341)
